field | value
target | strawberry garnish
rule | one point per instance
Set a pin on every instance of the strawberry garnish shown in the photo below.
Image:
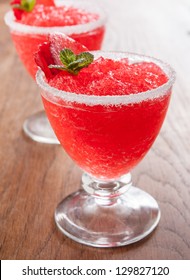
(62, 53)
(59, 41)
(44, 58)
(21, 6)
(16, 8)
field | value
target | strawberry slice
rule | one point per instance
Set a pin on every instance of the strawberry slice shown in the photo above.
(17, 11)
(59, 41)
(44, 58)
(49, 52)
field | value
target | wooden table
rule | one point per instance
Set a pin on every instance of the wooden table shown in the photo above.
(35, 177)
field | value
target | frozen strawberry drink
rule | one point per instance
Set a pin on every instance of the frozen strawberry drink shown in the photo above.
(106, 110)
(81, 20)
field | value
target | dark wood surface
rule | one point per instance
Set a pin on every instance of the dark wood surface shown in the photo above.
(35, 177)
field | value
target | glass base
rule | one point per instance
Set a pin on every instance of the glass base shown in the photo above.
(101, 222)
(38, 128)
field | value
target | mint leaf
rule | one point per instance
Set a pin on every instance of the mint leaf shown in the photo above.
(28, 5)
(73, 63)
(83, 60)
(67, 56)
(25, 5)
(86, 56)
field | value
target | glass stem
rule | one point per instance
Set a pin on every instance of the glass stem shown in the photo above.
(106, 192)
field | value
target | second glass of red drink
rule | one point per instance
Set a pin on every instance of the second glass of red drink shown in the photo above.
(83, 21)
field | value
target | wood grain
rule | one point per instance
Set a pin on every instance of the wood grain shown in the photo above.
(35, 177)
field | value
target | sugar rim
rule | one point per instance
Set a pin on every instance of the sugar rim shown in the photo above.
(92, 100)
(68, 30)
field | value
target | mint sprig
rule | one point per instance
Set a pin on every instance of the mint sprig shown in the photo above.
(73, 63)
(25, 5)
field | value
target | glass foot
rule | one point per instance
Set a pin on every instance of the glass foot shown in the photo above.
(102, 220)
(38, 128)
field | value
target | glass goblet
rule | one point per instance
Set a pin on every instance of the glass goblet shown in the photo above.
(27, 39)
(107, 136)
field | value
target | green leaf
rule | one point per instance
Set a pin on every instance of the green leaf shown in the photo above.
(67, 56)
(73, 63)
(85, 56)
(25, 5)
(28, 5)
(84, 59)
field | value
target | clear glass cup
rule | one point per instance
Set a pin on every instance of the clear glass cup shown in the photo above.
(27, 39)
(107, 136)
